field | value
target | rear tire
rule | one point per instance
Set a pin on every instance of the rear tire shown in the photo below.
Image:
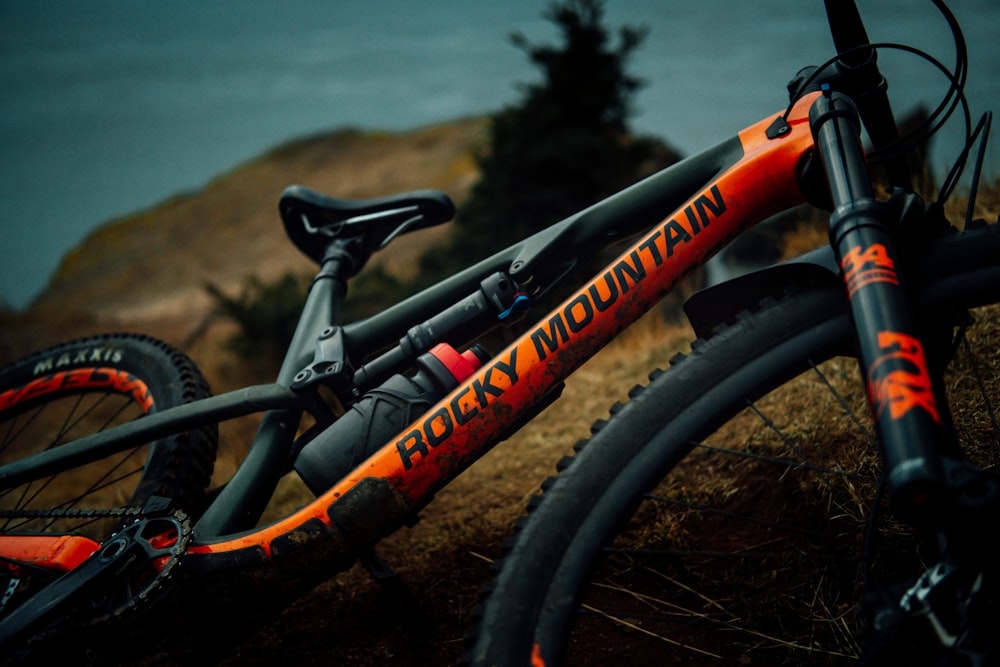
(79, 388)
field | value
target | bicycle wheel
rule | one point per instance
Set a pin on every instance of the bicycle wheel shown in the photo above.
(80, 388)
(713, 519)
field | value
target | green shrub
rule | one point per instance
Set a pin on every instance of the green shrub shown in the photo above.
(266, 313)
(564, 147)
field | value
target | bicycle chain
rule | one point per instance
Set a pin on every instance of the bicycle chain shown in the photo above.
(76, 513)
(8, 592)
(138, 601)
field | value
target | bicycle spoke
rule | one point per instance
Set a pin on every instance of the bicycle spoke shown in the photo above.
(796, 570)
(93, 412)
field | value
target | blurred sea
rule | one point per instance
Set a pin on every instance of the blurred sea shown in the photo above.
(110, 106)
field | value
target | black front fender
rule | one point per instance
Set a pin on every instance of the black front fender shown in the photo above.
(719, 304)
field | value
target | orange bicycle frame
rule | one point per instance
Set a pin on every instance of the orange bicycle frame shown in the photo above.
(403, 475)
(270, 565)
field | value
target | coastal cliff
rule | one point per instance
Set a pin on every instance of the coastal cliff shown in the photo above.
(147, 272)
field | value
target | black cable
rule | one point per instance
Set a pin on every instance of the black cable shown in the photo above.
(952, 99)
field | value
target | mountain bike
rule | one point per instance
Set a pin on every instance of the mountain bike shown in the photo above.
(107, 532)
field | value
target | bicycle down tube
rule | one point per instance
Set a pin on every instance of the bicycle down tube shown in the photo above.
(403, 476)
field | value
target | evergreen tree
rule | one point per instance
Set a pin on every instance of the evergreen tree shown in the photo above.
(565, 146)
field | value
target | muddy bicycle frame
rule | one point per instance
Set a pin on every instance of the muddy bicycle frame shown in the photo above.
(674, 222)
(682, 215)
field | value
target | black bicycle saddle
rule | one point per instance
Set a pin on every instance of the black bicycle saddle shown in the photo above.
(313, 219)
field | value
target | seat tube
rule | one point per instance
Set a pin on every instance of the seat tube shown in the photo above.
(891, 354)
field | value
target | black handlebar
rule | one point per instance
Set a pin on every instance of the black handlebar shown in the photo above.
(848, 32)
(859, 63)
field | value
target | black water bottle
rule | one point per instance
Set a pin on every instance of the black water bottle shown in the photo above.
(382, 413)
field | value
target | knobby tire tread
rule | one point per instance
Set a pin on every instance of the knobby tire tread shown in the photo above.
(181, 466)
(177, 467)
(643, 439)
(621, 439)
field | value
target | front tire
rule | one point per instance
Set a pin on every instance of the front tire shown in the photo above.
(707, 520)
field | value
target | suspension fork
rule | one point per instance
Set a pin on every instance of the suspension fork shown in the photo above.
(908, 419)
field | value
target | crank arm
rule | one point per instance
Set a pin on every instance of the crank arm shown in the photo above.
(125, 555)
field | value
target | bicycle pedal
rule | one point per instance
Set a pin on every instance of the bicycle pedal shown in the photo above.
(377, 567)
